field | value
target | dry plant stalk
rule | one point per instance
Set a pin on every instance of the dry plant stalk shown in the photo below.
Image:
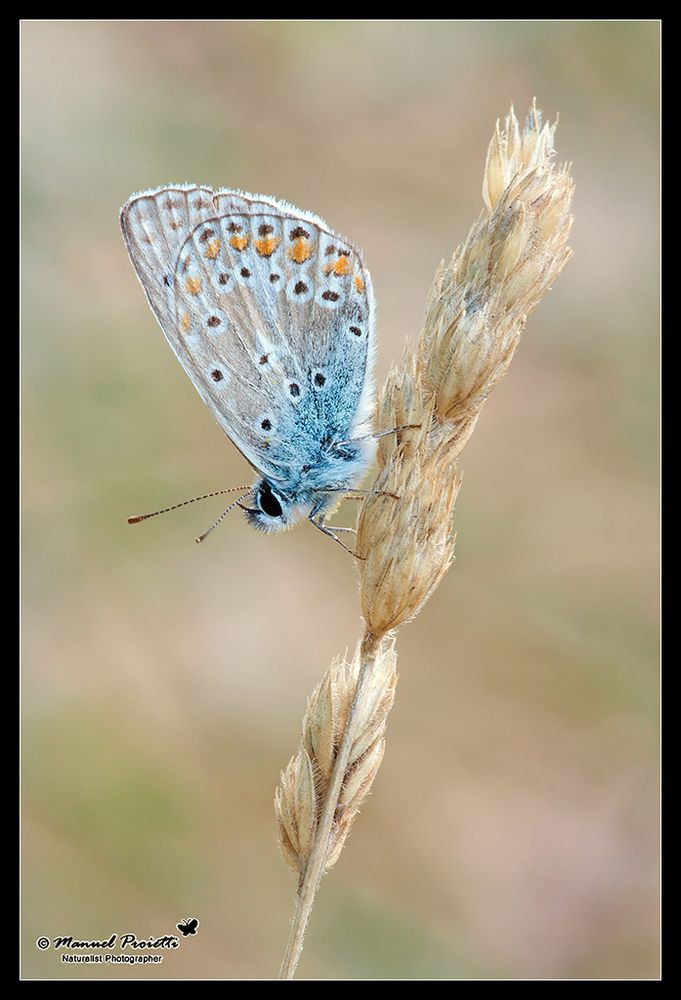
(475, 314)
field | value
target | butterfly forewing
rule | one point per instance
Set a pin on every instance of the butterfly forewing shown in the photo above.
(155, 224)
(269, 312)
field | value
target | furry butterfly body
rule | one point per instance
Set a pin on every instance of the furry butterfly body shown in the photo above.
(271, 314)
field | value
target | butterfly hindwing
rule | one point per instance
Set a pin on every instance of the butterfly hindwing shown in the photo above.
(269, 312)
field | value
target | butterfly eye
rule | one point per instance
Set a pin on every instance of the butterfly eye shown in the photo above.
(268, 503)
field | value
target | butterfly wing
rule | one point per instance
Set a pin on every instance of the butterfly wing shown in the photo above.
(268, 310)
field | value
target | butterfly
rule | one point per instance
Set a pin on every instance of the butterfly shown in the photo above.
(188, 926)
(271, 314)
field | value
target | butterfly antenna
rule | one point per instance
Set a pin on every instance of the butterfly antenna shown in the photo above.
(136, 518)
(224, 514)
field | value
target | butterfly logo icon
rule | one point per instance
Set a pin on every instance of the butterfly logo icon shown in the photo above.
(188, 926)
(271, 314)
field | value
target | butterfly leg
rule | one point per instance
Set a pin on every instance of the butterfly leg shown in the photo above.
(362, 493)
(327, 531)
(377, 434)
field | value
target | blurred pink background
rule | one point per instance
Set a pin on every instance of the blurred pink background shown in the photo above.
(513, 827)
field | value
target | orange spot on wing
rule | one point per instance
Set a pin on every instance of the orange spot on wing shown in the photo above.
(359, 284)
(267, 245)
(238, 242)
(301, 250)
(184, 323)
(193, 285)
(212, 250)
(342, 266)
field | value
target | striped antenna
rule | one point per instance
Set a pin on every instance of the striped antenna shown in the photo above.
(136, 518)
(224, 514)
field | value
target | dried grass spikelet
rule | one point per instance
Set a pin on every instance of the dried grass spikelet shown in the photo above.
(305, 780)
(475, 314)
(406, 544)
(479, 302)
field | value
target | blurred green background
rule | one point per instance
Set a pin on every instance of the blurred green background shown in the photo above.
(513, 829)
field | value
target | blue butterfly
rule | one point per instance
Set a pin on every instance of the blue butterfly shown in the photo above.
(271, 314)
